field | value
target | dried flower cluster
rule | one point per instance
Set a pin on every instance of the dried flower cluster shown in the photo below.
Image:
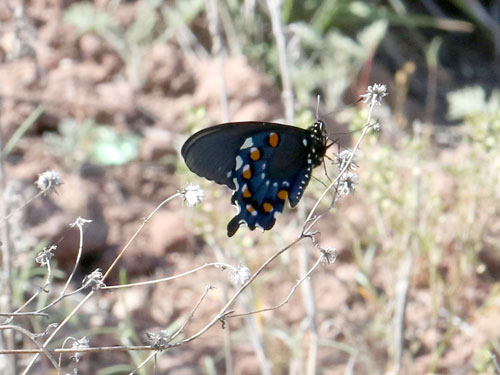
(43, 257)
(94, 280)
(374, 94)
(240, 276)
(48, 181)
(192, 194)
(158, 341)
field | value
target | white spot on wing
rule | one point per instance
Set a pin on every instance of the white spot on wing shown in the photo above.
(248, 143)
(253, 213)
(239, 162)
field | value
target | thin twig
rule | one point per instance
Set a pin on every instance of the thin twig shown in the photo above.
(495, 363)
(285, 301)
(8, 340)
(178, 332)
(219, 265)
(403, 283)
(91, 293)
(77, 261)
(30, 336)
(218, 53)
(127, 245)
(41, 289)
(58, 328)
(97, 349)
(58, 299)
(312, 221)
(223, 254)
(191, 315)
(23, 206)
(286, 81)
(255, 337)
(222, 313)
(31, 313)
(145, 362)
(309, 301)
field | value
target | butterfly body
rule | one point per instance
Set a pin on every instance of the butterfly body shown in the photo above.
(264, 163)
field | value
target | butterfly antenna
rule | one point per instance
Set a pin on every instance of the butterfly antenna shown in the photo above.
(326, 171)
(321, 182)
(317, 106)
(342, 107)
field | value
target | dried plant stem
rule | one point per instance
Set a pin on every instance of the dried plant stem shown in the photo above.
(179, 331)
(32, 313)
(307, 292)
(6, 338)
(286, 81)
(41, 289)
(288, 101)
(97, 349)
(77, 262)
(91, 293)
(312, 219)
(191, 315)
(226, 290)
(290, 294)
(127, 245)
(58, 328)
(217, 52)
(220, 316)
(149, 282)
(495, 363)
(406, 266)
(20, 208)
(63, 293)
(256, 339)
(228, 353)
(224, 311)
(31, 337)
(57, 300)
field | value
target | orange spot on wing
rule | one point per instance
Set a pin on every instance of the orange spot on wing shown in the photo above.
(274, 139)
(246, 192)
(250, 208)
(268, 207)
(283, 195)
(247, 172)
(255, 154)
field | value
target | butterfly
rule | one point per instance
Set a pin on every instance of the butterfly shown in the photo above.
(264, 163)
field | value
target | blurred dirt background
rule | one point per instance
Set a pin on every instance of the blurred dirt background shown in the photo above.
(112, 110)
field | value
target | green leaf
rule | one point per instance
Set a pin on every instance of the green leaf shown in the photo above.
(111, 148)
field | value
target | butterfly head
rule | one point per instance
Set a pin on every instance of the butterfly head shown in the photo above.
(318, 137)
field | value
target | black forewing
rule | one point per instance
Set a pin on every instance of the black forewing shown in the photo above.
(211, 152)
